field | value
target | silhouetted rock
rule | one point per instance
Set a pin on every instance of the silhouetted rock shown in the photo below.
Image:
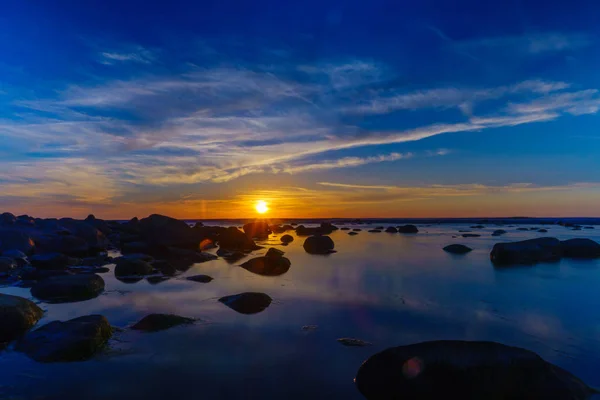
(132, 267)
(542, 230)
(248, 302)
(522, 229)
(200, 278)
(165, 267)
(233, 239)
(374, 231)
(459, 369)
(33, 274)
(328, 227)
(588, 227)
(408, 229)
(166, 231)
(52, 261)
(137, 247)
(156, 279)
(18, 256)
(527, 251)
(391, 229)
(457, 249)
(68, 288)
(257, 229)
(470, 235)
(498, 232)
(17, 316)
(230, 256)
(379, 228)
(352, 233)
(345, 229)
(11, 239)
(7, 219)
(356, 230)
(95, 239)
(463, 231)
(272, 264)
(351, 342)
(580, 248)
(287, 239)
(477, 227)
(160, 322)
(74, 340)
(62, 243)
(7, 265)
(318, 245)
(137, 256)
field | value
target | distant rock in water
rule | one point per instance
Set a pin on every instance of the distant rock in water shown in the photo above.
(478, 227)
(345, 229)
(457, 249)
(465, 370)
(527, 251)
(160, 322)
(352, 233)
(580, 248)
(231, 256)
(542, 230)
(257, 229)
(74, 340)
(233, 239)
(356, 230)
(374, 231)
(287, 239)
(160, 230)
(351, 342)
(498, 232)
(324, 229)
(470, 235)
(463, 230)
(272, 264)
(379, 228)
(68, 288)
(132, 267)
(17, 316)
(522, 229)
(318, 245)
(200, 278)
(408, 229)
(248, 302)
(588, 227)
(391, 229)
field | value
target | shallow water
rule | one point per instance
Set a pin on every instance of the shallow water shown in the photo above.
(387, 289)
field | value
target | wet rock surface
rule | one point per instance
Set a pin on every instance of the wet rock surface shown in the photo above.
(247, 302)
(17, 316)
(68, 288)
(200, 278)
(160, 322)
(272, 264)
(457, 249)
(408, 229)
(318, 245)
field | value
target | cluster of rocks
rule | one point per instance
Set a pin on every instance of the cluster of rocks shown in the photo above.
(545, 249)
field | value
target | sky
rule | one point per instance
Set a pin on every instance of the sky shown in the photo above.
(319, 108)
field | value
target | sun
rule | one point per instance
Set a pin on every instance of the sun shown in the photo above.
(261, 207)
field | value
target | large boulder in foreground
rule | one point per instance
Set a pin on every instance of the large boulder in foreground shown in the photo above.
(68, 288)
(234, 239)
(166, 231)
(580, 248)
(257, 229)
(11, 239)
(527, 251)
(248, 302)
(160, 322)
(272, 264)
(465, 370)
(74, 340)
(319, 245)
(408, 229)
(287, 239)
(17, 316)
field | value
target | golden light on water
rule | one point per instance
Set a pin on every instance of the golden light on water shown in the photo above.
(261, 207)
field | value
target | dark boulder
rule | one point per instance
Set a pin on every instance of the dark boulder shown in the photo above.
(477, 227)
(132, 267)
(457, 249)
(522, 229)
(7, 265)
(257, 229)
(156, 279)
(356, 230)
(527, 251)
(231, 256)
(25, 220)
(137, 256)
(34, 274)
(465, 370)
(391, 229)
(352, 233)
(346, 229)
(166, 231)
(287, 239)
(68, 288)
(353, 342)
(19, 257)
(272, 264)
(498, 232)
(233, 239)
(588, 227)
(52, 261)
(580, 248)
(7, 219)
(248, 302)
(408, 229)
(328, 227)
(137, 247)
(374, 231)
(318, 245)
(95, 239)
(17, 316)
(99, 224)
(200, 278)
(75, 340)
(470, 235)
(160, 322)
(165, 267)
(542, 230)
(59, 243)
(11, 239)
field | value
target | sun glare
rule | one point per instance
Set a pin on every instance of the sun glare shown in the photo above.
(261, 207)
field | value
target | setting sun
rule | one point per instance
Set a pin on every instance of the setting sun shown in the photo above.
(261, 207)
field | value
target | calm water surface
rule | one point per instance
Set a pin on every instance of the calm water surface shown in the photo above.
(388, 289)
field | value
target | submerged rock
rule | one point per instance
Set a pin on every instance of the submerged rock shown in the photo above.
(580, 248)
(498, 232)
(155, 280)
(248, 302)
(132, 267)
(165, 267)
(457, 249)
(234, 239)
(318, 245)
(17, 316)
(287, 239)
(527, 251)
(272, 264)
(160, 322)
(408, 229)
(68, 288)
(345, 229)
(470, 235)
(351, 342)
(465, 370)
(391, 229)
(200, 278)
(52, 261)
(374, 231)
(477, 227)
(522, 229)
(542, 230)
(231, 256)
(74, 340)
(352, 233)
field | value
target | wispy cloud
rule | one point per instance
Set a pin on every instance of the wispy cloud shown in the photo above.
(533, 43)
(136, 54)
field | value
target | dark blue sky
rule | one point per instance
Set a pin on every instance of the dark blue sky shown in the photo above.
(379, 108)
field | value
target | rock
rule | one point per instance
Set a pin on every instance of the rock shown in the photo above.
(477, 227)
(287, 239)
(345, 229)
(580, 248)
(391, 229)
(374, 231)
(351, 342)
(89, 270)
(200, 278)
(11, 239)
(498, 232)
(328, 227)
(18, 256)
(137, 247)
(542, 230)
(99, 224)
(458, 369)
(533, 229)
(527, 251)
(160, 322)
(276, 229)
(190, 256)
(165, 267)
(66, 244)
(248, 302)
(7, 265)
(408, 229)
(7, 219)
(522, 229)
(457, 249)
(33, 274)
(25, 220)
(257, 229)
(155, 280)
(588, 227)
(379, 228)
(272, 264)
(68, 288)
(132, 267)
(470, 235)
(98, 261)
(233, 239)
(75, 340)
(356, 230)
(230, 256)
(463, 230)
(52, 261)
(95, 239)
(166, 231)
(17, 316)
(318, 245)
(352, 233)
